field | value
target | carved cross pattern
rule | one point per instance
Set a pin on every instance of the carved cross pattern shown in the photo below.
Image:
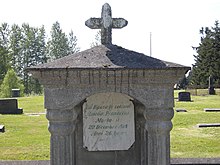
(106, 23)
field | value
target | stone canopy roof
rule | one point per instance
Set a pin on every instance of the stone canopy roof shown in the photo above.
(107, 57)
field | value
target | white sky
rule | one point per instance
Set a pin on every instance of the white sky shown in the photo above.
(174, 24)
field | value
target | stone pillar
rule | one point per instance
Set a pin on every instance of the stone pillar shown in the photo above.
(158, 125)
(61, 127)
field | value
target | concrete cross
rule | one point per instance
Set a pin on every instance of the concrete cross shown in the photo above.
(106, 23)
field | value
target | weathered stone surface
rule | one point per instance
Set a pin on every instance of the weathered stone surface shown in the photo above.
(108, 122)
(81, 79)
(108, 57)
(106, 23)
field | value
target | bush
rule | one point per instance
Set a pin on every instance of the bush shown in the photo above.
(11, 81)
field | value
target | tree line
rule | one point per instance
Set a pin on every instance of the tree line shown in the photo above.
(24, 46)
(207, 57)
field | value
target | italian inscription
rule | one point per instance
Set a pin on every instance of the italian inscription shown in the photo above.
(108, 122)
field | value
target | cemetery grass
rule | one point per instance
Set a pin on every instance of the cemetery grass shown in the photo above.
(27, 137)
(189, 141)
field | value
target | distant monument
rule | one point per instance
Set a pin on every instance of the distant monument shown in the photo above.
(211, 86)
(108, 105)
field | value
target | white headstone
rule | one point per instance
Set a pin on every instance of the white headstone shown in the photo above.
(108, 122)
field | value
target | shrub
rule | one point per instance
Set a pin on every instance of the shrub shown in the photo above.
(11, 81)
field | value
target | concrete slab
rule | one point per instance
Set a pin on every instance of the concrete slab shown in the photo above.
(209, 125)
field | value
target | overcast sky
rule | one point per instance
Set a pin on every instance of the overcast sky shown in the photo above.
(174, 24)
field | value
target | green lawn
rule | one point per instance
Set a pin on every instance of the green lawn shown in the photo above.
(189, 141)
(27, 137)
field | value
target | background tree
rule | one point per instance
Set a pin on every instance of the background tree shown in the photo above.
(207, 59)
(15, 48)
(72, 44)
(4, 54)
(25, 46)
(11, 81)
(58, 43)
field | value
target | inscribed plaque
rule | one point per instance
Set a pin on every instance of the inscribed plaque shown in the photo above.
(108, 122)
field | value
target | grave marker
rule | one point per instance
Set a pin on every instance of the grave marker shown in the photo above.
(181, 110)
(9, 106)
(184, 96)
(209, 125)
(212, 109)
(109, 105)
(211, 86)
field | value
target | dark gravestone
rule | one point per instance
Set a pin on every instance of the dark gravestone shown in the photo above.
(2, 128)
(211, 87)
(9, 106)
(15, 92)
(184, 96)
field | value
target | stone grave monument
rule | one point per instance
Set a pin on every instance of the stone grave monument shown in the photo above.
(184, 96)
(109, 105)
(10, 106)
(211, 86)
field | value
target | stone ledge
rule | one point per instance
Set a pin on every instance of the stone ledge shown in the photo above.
(174, 161)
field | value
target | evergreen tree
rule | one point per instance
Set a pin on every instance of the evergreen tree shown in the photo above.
(33, 53)
(72, 42)
(15, 49)
(10, 82)
(207, 60)
(58, 44)
(4, 54)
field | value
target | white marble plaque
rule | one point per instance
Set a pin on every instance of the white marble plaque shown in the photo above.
(108, 122)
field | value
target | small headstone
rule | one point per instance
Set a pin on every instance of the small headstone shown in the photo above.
(10, 106)
(212, 109)
(184, 96)
(15, 92)
(211, 87)
(2, 128)
(181, 110)
(209, 125)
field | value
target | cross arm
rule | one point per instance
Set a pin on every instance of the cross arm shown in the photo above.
(118, 23)
(94, 23)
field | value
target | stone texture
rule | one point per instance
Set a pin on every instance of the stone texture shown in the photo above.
(70, 83)
(108, 57)
(106, 23)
